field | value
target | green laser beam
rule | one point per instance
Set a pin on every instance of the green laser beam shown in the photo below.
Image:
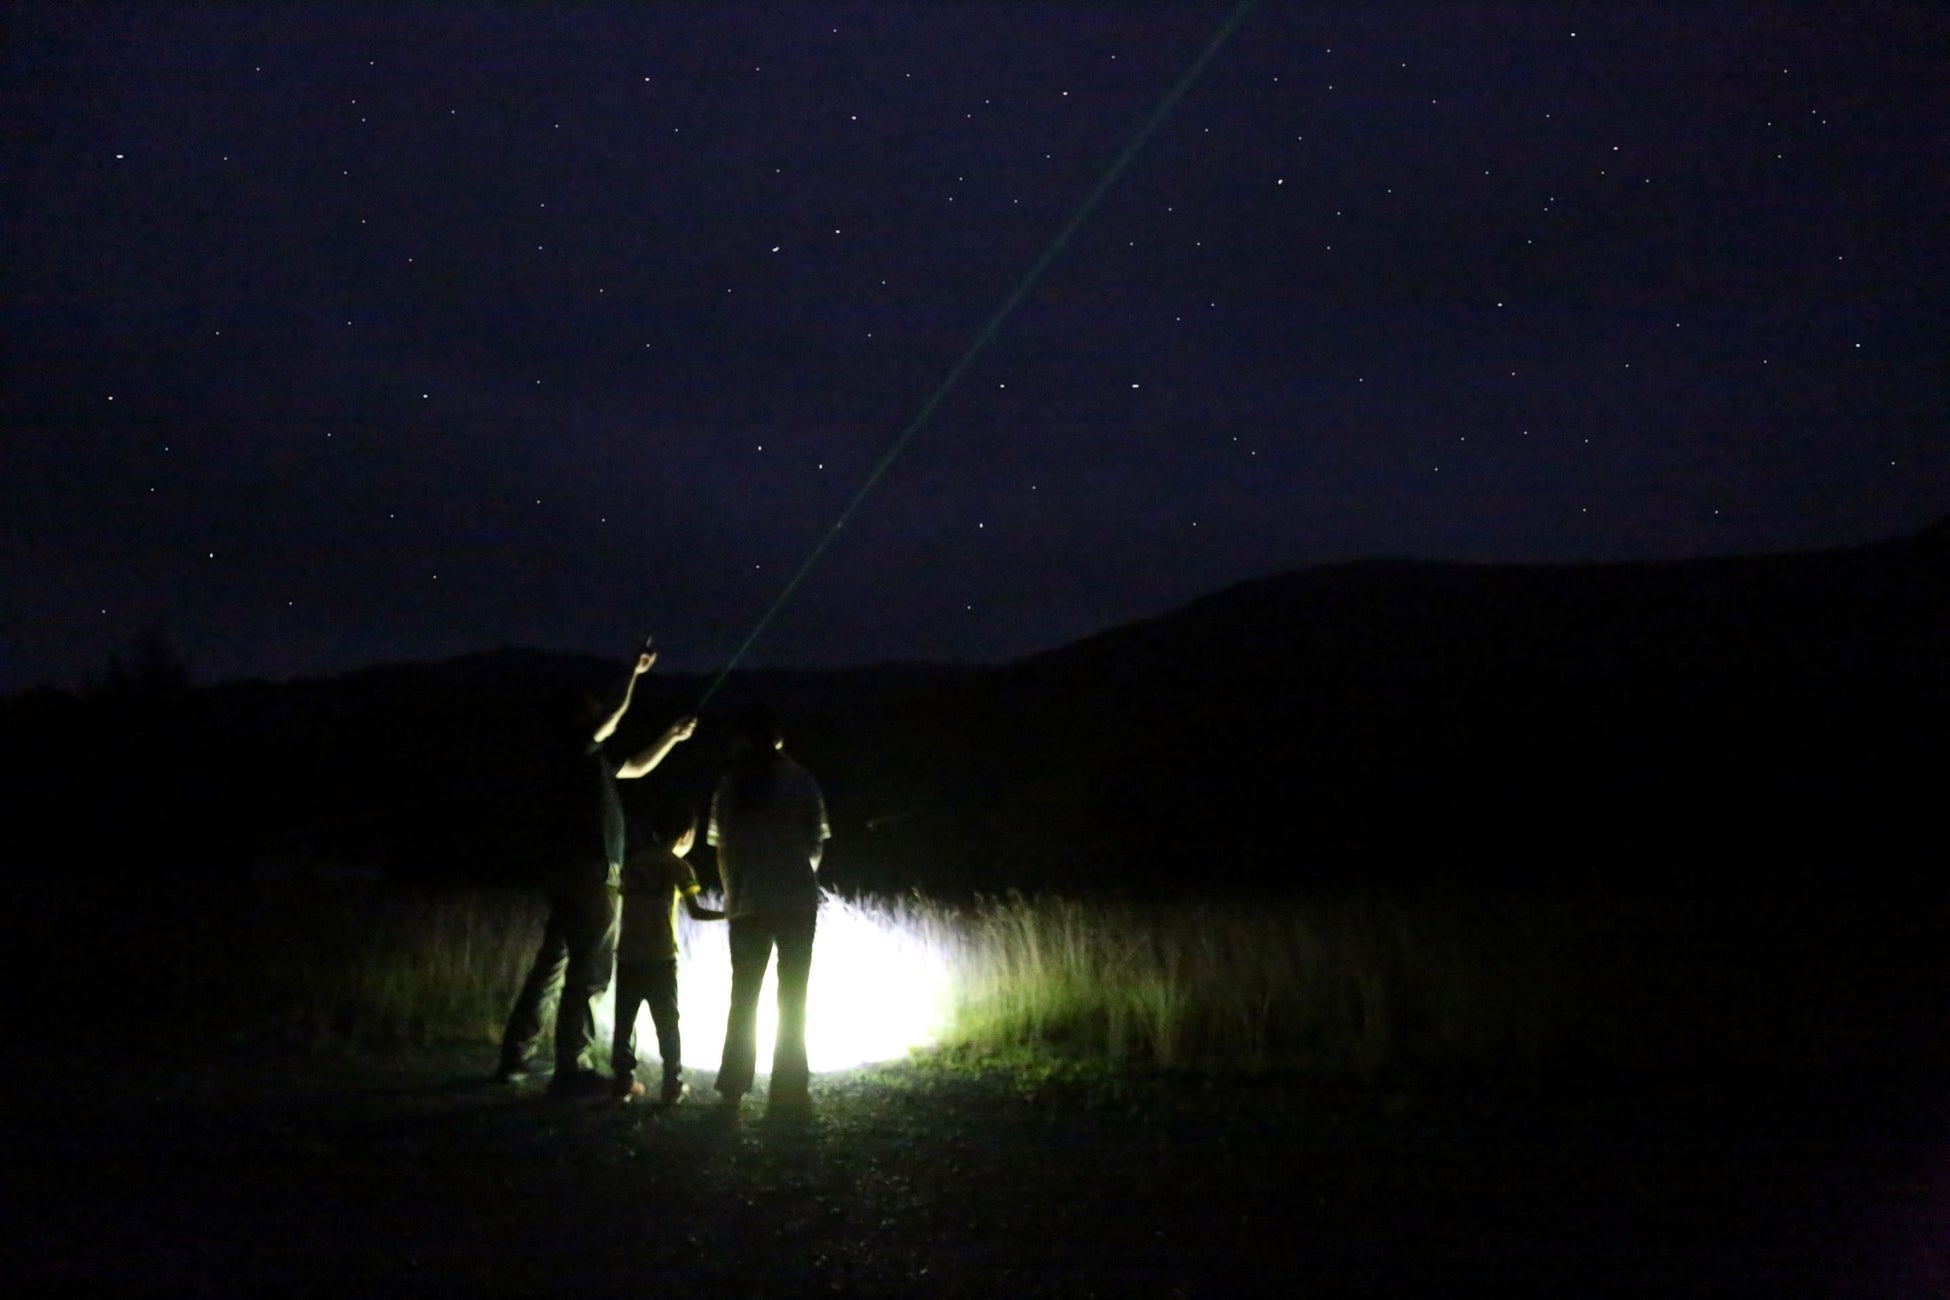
(984, 335)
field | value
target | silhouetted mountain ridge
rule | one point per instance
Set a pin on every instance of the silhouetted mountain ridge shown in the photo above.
(1387, 719)
(1408, 620)
(1698, 710)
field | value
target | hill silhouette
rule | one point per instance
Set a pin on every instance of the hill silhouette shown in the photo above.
(1716, 723)
(1714, 718)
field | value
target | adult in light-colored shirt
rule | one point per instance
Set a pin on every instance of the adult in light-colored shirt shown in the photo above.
(768, 823)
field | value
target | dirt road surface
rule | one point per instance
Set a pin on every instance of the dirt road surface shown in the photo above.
(409, 1173)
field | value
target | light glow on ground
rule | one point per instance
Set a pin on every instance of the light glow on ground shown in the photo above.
(880, 987)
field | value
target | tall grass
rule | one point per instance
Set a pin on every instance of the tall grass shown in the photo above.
(1352, 985)
(306, 962)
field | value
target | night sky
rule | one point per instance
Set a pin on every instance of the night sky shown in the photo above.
(344, 334)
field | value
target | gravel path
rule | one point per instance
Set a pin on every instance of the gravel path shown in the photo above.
(357, 1175)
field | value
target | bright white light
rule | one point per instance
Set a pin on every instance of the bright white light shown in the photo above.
(879, 987)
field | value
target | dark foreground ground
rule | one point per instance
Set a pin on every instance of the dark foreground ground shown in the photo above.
(357, 1175)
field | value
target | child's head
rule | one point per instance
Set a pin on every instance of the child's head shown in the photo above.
(761, 731)
(673, 823)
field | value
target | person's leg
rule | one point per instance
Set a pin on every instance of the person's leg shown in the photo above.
(542, 986)
(660, 989)
(592, 953)
(635, 984)
(790, 1074)
(751, 950)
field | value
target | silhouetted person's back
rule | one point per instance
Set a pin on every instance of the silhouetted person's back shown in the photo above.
(768, 822)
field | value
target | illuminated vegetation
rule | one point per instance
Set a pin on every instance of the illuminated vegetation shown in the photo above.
(315, 963)
(1345, 984)
(1355, 985)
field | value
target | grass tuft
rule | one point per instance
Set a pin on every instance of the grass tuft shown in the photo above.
(1355, 986)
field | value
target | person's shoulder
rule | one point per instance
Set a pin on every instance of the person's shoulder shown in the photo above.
(807, 783)
(673, 867)
(597, 751)
(653, 864)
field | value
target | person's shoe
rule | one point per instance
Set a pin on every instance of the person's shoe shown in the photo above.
(625, 1089)
(674, 1091)
(514, 1072)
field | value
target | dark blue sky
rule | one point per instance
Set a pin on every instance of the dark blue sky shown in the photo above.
(345, 334)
